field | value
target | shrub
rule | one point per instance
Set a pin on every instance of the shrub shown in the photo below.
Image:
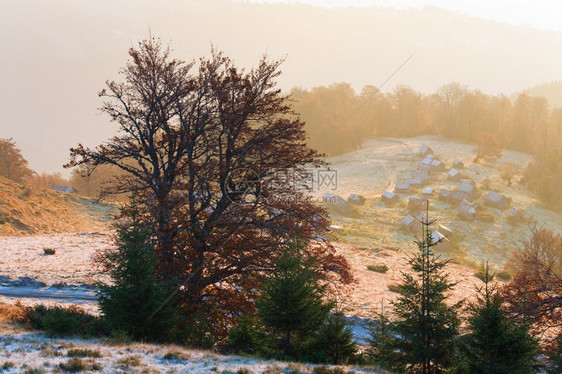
(129, 361)
(244, 336)
(74, 365)
(64, 321)
(504, 275)
(199, 333)
(7, 365)
(327, 370)
(378, 268)
(175, 356)
(49, 251)
(120, 337)
(34, 371)
(83, 353)
(394, 288)
(244, 371)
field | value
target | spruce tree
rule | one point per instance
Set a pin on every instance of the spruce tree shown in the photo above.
(425, 328)
(334, 342)
(137, 303)
(496, 344)
(291, 300)
(381, 343)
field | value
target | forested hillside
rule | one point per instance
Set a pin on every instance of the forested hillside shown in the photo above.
(338, 120)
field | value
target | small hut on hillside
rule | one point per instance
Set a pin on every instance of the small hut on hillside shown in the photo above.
(356, 199)
(425, 150)
(67, 189)
(428, 191)
(496, 200)
(469, 187)
(416, 204)
(458, 196)
(437, 165)
(458, 164)
(426, 162)
(402, 187)
(338, 203)
(440, 241)
(422, 174)
(409, 223)
(420, 217)
(467, 210)
(445, 230)
(413, 182)
(454, 174)
(389, 198)
(515, 216)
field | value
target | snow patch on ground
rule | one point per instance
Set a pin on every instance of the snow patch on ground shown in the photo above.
(28, 351)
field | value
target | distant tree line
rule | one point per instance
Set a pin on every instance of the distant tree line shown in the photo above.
(14, 166)
(453, 111)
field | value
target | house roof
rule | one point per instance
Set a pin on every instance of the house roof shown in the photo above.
(467, 207)
(495, 197)
(453, 172)
(425, 149)
(444, 192)
(402, 186)
(415, 181)
(459, 195)
(446, 229)
(388, 195)
(514, 212)
(422, 174)
(408, 220)
(355, 196)
(420, 217)
(465, 187)
(63, 188)
(427, 190)
(436, 236)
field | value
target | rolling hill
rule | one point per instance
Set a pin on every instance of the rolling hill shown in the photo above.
(382, 163)
(26, 211)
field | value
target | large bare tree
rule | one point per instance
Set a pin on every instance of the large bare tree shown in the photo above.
(201, 144)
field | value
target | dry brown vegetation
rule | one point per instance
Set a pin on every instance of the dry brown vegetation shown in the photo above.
(26, 210)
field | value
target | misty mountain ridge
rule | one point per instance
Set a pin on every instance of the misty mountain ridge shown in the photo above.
(57, 56)
(552, 92)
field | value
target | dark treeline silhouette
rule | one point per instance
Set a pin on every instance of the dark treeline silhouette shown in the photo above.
(335, 125)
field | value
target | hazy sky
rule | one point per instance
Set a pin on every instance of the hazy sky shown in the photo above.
(56, 55)
(542, 14)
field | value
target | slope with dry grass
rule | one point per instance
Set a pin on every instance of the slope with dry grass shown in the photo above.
(383, 162)
(26, 211)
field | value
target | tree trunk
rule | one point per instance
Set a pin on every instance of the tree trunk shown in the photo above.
(287, 342)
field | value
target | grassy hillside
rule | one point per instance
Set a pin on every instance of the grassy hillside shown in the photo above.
(25, 211)
(382, 163)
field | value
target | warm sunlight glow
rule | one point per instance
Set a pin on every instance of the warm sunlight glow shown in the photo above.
(541, 14)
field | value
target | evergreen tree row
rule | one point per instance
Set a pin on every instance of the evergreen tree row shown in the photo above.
(294, 321)
(424, 335)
